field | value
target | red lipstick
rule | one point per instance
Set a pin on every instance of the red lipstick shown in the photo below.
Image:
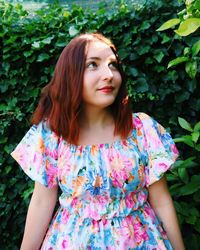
(106, 89)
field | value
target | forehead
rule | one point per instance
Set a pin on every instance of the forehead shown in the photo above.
(99, 49)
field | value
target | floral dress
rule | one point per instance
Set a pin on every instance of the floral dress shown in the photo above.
(103, 204)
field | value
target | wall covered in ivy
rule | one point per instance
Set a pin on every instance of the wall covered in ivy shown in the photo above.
(31, 44)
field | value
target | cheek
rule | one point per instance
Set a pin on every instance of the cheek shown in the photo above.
(118, 80)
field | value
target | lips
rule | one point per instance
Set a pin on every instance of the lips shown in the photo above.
(106, 89)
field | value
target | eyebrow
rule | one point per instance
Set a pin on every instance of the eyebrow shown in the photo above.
(97, 58)
(94, 58)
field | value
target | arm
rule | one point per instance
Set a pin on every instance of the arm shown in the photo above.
(161, 202)
(39, 214)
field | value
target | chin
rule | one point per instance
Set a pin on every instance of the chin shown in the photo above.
(106, 104)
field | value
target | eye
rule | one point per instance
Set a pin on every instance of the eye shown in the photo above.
(91, 65)
(113, 65)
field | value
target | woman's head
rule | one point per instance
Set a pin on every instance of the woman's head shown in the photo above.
(63, 98)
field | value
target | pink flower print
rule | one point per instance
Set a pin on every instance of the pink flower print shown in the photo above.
(119, 177)
(162, 167)
(65, 216)
(149, 213)
(74, 202)
(65, 244)
(51, 173)
(162, 231)
(130, 200)
(174, 149)
(52, 153)
(126, 233)
(37, 161)
(95, 226)
(140, 233)
(137, 122)
(142, 197)
(90, 212)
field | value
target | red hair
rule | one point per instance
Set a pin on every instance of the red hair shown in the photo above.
(61, 99)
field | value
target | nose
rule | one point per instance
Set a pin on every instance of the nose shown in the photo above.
(107, 73)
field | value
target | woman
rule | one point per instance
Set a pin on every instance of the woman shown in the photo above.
(108, 162)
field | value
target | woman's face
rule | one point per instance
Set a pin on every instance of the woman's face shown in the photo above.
(102, 79)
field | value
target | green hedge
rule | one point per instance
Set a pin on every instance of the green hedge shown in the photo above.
(31, 46)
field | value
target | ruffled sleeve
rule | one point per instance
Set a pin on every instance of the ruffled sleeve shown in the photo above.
(37, 154)
(159, 147)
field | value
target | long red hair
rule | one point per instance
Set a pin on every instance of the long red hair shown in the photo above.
(61, 99)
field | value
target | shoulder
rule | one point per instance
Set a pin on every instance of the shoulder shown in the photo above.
(141, 119)
(41, 133)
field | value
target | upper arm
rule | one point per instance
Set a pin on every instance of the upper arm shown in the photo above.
(159, 193)
(42, 194)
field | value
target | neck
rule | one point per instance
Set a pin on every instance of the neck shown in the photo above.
(94, 118)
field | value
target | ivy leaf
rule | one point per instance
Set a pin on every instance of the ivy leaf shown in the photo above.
(159, 56)
(184, 124)
(141, 85)
(191, 69)
(42, 57)
(176, 61)
(197, 126)
(195, 136)
(28, 53)
(133, 71)
(47, 40)
(196, 48)
(169, 24)
(188, 26)
(73, 31)
(36, 45)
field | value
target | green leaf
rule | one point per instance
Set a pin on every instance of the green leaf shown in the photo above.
(187, 163)
(196, 48)
(187, 139)
(145, 25)
(123, 53)
(47, 40)
(197, 225)
(188, 2)
(171, 177)
(178, 60)
(182, 96)
(133, 71)
(198, 147)
(3, 140)
(169, 24)
(191, 68)
(194, 211)
(186, 51)
(195, 178)
(197, 126)
(36, 45)
(189, 188)
(182, 172)
(42, 57)
(28, 53)
(73, 31)
(173, 188)
(184, 124)
(195, 136)
(141, 50)
(141, 85)
(191, 219)
(159, 56)
(188, 26)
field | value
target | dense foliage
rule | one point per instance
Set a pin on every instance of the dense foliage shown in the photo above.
(31, 46)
